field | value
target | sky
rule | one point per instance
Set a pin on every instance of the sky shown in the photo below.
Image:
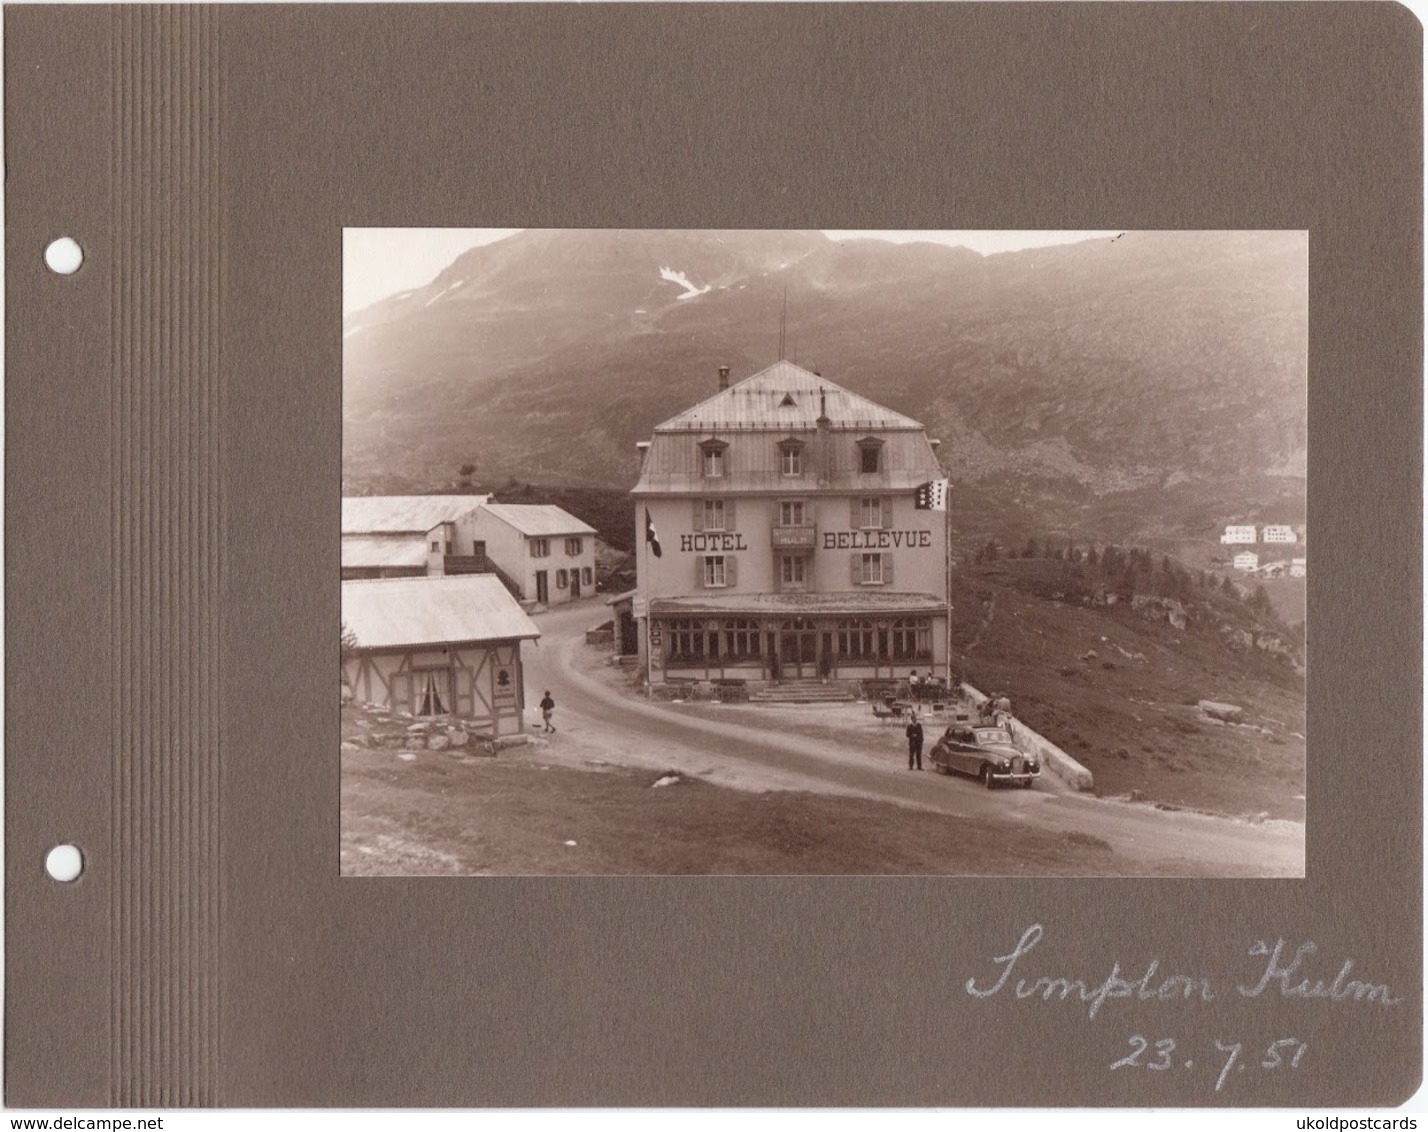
(378, 262)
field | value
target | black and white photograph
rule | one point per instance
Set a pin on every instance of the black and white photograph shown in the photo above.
(970, 553)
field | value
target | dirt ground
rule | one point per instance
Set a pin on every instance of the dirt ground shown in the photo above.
(558, 808)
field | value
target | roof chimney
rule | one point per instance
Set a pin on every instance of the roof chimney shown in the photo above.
(723, 378)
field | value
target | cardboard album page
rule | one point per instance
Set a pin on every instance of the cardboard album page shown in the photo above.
(713, 555)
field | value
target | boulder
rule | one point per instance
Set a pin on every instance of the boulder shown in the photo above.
(438, 743)
(1241, 640)
(1226, 713)
(457, 737)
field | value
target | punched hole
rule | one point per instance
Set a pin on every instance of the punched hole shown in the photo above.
(64, 863)
(64, 256)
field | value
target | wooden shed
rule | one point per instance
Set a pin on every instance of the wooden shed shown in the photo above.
(438, 647)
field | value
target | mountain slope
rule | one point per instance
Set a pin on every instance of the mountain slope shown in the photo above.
(1147, 363)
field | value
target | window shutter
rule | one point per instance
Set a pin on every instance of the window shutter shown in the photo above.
(728, 514)
(731, 571)
(699, 572)
(887, 513)
(698, 515)
(856, 518)
(857, 569)
(887, 569)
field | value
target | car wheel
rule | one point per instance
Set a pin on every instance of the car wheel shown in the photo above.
(987, 776)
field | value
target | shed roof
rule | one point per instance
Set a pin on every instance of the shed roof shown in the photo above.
(539, 519)
(396, 612)
(404, 514)
(382, 550)
(785, 396)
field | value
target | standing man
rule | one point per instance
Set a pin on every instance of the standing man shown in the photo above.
(914, 743)
(914, 686)
(547, 709)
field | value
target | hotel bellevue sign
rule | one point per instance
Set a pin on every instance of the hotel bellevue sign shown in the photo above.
(804, 538)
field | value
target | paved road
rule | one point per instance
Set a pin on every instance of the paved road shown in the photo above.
(667, 735)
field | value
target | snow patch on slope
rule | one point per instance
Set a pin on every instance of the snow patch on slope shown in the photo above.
(669, 275)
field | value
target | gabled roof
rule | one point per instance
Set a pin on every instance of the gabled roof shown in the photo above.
(785, 396)
(403, 514)
(382, 550)
(401, 612)
(539, 520)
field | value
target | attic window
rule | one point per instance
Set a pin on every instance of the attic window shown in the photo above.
(788, 402)
(713, 457)
(791, 456)
(870, 452)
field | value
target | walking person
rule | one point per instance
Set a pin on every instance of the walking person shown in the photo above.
(914, 686)
(547, 709)
(914, 744)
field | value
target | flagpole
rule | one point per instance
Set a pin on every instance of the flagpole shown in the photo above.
(649, 619)
(947, 579)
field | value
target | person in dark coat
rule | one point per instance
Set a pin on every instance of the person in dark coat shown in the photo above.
(914, 744)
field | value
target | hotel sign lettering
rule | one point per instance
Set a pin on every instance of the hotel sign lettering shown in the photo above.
(727, 541)
(875, 540)
(711, 540)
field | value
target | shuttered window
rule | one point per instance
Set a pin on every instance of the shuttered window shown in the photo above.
(872, 569)
(713, 515)
(871, 513)
(716, 571)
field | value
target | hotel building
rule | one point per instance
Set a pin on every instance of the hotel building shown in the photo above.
(789, 529)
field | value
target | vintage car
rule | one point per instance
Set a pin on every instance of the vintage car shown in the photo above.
(985, 753)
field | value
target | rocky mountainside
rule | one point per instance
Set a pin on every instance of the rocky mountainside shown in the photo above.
(1165, 368)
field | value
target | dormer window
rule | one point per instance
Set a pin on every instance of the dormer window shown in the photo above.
(790, 457)
(870, 455)
(713, 458)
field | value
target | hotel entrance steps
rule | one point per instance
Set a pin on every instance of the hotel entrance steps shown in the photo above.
(803, 692)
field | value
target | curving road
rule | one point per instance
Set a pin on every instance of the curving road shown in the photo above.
(628, 729)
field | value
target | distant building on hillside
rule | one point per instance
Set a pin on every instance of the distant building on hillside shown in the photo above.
(1246, 560)
(545, 552)
(789, 529)
(402, 536)
(1279, 534)
(1298, 567)
(436, 647)
(1237, 535)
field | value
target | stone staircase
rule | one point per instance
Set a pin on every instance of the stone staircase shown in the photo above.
(803, 692)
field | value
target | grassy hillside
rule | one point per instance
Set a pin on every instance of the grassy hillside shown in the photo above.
(1117, 687)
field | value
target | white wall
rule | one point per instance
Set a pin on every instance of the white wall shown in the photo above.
(915, 540)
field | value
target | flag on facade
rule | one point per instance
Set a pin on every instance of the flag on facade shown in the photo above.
(650, 536)
(932, 496)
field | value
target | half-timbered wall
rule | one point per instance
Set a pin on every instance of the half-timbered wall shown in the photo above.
(483, 683)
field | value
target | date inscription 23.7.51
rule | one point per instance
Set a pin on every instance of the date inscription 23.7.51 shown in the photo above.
(1282, 1053)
